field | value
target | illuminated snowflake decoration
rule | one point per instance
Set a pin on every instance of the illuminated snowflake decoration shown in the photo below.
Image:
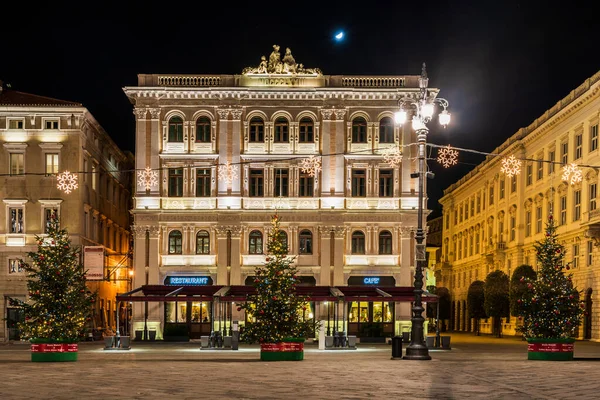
(228, 172)
(447, 156)
(572, 174)
(392, 156)
(148, 178)
(511, 166)
(311, 165)
(67, 182)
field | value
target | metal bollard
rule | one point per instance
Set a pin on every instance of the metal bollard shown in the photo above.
(396, 347)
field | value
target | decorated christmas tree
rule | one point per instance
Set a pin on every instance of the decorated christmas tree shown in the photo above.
(59, 302)
(276, 311)
(550, 307)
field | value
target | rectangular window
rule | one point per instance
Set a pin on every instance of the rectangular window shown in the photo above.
(306, 132)
(94, 176)
(16, 220)
(460, 214)
(51, 124)
(564, 153)
(175, 182)
(491, 201)
(578, 146)
(51, 163)
(551, 159)
(590, 249)
(455, 217)
(466, 210)
(575, 255)
(307, 184)
(577, 205)
(359, 179)
(14, 266)
(17, 163)
(478, 204)
(594, 137)
(538, 219)
(257, 132)
(386, 183)
(471, 245)
(513, 184)
(15, 124)
(477, 242)
(540, 168)
(513, 227)
(281, 132)
(527, 223)
(501, 231)
(472, 207)
(281, 182)
(502, 188)
(256, 183)
(49, 215)
(593, 194)
(529, 179)
(563, 210)
(203, 182)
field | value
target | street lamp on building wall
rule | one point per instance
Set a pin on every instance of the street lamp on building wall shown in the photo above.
(422, 108)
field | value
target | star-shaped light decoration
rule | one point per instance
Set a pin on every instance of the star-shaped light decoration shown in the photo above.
(447, 156)
(148, 178)
(392, 156)
(511, 166)
(66, 181)
(228, 172)
(572, 174)
(311, 165)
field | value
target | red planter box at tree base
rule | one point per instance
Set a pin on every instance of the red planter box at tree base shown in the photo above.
(550, 349)
(290, 350)
(53, 350)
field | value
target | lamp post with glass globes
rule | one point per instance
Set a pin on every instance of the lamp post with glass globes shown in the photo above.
(422, 108)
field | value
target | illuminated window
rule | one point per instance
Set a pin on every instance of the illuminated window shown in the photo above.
(359, 130)
(305, 242)
(176, 129)
(578, 146)
(175, 242)
(281, 131)
(49, 215)
(576, 205)
(385, 242)
(563, 209)
(51, 163)
(16, 220)
(593, 190)
(257, 130)
(358, 242)
(306, 131)
(538, 219)
(203, 130)
(386, 130)
(255, 242)
(14, 266)
(594, 137)
(202, 242)
(17, 163)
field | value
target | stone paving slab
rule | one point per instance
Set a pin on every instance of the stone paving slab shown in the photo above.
(476, 368)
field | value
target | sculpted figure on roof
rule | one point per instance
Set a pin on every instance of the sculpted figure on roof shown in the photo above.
(277, 65)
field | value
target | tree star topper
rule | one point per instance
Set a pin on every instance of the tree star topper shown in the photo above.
(228, 172)
(572, 174)
(148, 178)
(447, 156)
(311, 165)
(511, 166)
(392, 156)
(67, 182)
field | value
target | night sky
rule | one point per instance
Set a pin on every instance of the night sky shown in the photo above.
(499, 64)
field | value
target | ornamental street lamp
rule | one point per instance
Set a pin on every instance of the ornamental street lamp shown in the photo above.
(422, 108)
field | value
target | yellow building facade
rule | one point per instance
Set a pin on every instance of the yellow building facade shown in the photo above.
(492, 221)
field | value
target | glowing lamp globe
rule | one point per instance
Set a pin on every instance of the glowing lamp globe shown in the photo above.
(427, 110)
(400, 117)
(417, 124)
(444, 118)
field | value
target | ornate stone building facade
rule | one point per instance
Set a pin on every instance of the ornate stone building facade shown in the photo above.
(491, 221)
(228, 151)
(40, 138)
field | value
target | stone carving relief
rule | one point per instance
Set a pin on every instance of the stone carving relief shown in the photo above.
(277, 65)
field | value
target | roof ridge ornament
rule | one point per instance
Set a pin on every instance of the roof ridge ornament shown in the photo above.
(276, 65)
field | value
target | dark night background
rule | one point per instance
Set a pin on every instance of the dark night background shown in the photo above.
(500, 64)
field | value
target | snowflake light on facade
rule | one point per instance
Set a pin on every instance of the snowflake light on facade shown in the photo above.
(148, 178)
(392, 156)
(311, 165)
(228, 172)
(447, 156)
(572, 174)
(66, 181)
(511, 166)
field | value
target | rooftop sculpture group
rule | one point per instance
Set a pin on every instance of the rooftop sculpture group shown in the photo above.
(276, 65)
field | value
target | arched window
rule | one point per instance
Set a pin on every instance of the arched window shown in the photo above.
(255, 243)
(281, 130)
(386, 130)
(385, 242)
(202, 242)
(257, 130)
(203, 130)
(359, 130)
(358, 242)
(175, 129)
(305, 242)
(306, 131)
(175, 242)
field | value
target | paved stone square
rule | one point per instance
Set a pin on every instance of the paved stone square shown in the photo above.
(476, 367)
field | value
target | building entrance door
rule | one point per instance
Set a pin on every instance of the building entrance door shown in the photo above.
(371, 319)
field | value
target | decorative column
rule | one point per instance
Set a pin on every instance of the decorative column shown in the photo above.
(325, 255)
(224, 141)
(234, 148)
(338, 262)
(340, 148)
(328, 163)
(142, 160)
(154, 139)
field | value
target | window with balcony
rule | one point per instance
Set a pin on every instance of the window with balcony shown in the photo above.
(305, 242)
(175, 182)
(386, 183)
(17, 163)
(359, 130)
(257, 130)
(385, 242)
(255, 245)
(202, 242)
(281, 182)
(358, 242)
(16, 220)
(359, 183)
(203, 182)
(281, 131)
(593, 191)
(256, 188)
(306, 185)
(175, 242)
(203, 130)
(578, 146)
(175, 129)
(576, 205)
(51, 163)
(386, 130)
(594, 137)
(306, 129)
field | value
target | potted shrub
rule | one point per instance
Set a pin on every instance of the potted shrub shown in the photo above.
(276, 312)
(59, 303)
(550, 308)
